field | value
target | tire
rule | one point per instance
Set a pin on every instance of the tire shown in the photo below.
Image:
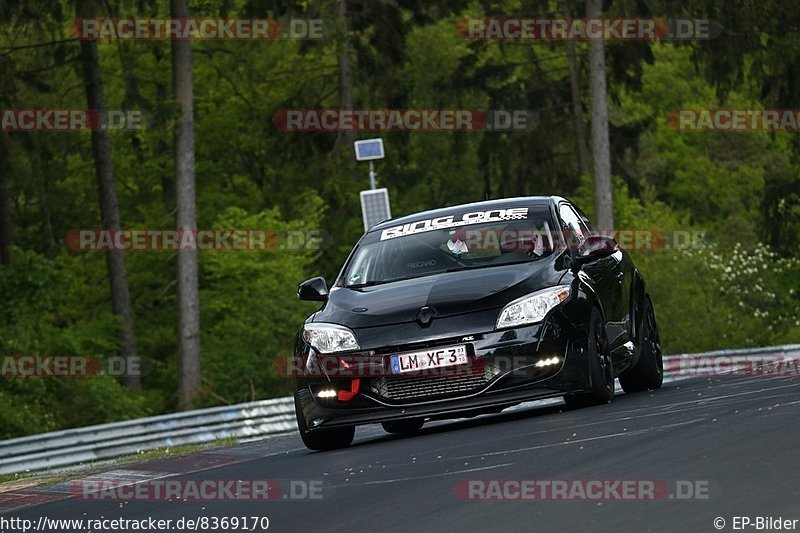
(403, 427)
(648, 373)
(322, 439)
(602, 386)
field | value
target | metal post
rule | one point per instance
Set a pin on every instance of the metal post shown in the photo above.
(372, 176)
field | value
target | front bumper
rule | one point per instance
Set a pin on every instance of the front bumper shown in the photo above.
(502, 373)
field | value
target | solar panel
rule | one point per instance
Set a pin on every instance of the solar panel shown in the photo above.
(369, 149)
(375, 207)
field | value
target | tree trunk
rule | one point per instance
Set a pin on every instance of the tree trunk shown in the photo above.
(109, 206)
(347, 137)
(577, 107)
(6, 229)
(6, 223)
(345, 74)
(601, 150)
(188, 297)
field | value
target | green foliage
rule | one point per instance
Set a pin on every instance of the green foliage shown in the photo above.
(53, 307)
(250, 312)
(720, 179)
(713, 296)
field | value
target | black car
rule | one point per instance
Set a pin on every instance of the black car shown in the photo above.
(471, 309)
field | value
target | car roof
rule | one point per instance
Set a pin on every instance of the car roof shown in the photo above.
(485, 205)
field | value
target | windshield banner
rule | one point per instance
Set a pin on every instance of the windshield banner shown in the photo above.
(478, 217)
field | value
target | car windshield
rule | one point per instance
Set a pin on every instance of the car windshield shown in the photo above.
(422, 248)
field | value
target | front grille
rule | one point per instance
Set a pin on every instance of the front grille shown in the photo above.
(434, 387)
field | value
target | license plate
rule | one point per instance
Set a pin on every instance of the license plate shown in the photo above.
(436, 358)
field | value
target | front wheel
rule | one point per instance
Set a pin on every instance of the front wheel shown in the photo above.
(648, 373)
(322, 439)
(602, 387)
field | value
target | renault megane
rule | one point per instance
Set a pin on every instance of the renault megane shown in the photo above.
(468, 310)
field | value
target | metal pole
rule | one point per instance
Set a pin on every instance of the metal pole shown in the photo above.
(372, 176)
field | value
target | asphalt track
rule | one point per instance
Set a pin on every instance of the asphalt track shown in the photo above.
(738, 435)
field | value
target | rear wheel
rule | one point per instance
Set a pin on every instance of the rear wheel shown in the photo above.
(648, 373)
(411, 425)
(602, 387)
(322, 439)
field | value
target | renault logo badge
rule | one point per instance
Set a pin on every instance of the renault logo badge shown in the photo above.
(425, 316)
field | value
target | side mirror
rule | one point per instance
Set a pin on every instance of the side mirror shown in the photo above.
(595, 247)
(314, 290)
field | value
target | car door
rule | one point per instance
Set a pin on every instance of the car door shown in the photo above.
(607, 277)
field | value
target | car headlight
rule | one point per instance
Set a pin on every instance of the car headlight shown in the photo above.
(532, 308)
(330, 338)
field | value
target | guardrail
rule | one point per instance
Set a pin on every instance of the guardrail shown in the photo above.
(770, 360)
(107, 441)
(242, 421)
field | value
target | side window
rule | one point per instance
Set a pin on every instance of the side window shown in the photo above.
(587, 223)
(574, 229)
(360, 268)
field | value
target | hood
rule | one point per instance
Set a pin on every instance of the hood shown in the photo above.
(449, 293)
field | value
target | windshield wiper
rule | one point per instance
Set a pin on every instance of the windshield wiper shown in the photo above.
(366, 284)
(487, 265)
(382, 281)
(454, 269)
